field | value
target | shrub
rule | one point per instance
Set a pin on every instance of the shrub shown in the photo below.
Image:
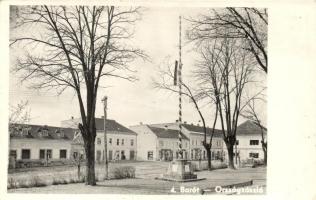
(12, 183)
(60, 181)
(204, 165)
(258, 162)
(219, 165)
(24, 184)
(37, 182)
(55, 182)
(124, 172)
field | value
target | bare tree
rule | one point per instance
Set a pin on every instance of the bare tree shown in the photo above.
(75, 47)
(19, 114)
(248, 24)
(222, 72)
(251, 113)
(165, 83)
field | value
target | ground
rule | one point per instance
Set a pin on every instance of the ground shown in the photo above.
(145, 182)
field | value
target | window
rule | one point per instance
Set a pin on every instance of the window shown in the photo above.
(237, 142)
(25, 131)
(254, 142)
(62, 133)
(161, 143)
(118, 142)
(110, 141)
(45, 133)
(42, 154)
(75, 155)
(150, 155)
(13, 154)
(122, 142)
(254, 155)
(63, 153)
(99, 141)
(132, 142)
(26, 153)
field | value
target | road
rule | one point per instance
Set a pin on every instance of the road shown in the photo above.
(145, 183)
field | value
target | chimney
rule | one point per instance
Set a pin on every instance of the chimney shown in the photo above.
(177, 121)
(141, 123)
(72, 117)
(166, 127)
(185, 122)
(102, 116)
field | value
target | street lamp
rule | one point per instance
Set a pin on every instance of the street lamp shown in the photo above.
(105, 101)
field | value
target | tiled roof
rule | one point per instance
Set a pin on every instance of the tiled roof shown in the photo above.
(166, 133)
(37, 131)
(112, 125)
(200, 129)
(249, 128)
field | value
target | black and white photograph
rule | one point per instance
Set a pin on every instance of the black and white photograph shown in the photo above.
(139, 100)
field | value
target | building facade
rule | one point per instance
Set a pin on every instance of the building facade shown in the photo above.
(195, 135)
(248, 144)
(249, 138)
(121, 141)
(159, 144)
(36, 145)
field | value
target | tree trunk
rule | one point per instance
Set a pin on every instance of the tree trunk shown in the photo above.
(90, 171)
(230, 149)
(208, 153)
(264, 147)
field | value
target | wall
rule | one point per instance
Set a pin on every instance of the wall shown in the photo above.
(195, 140)
(245, 148)
(126, 147)
(36, 144)
(171, 143)
(146, 141)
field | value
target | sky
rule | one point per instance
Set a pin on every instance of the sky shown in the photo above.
(129, 103)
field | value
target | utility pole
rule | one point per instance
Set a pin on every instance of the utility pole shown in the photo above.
(105, 101)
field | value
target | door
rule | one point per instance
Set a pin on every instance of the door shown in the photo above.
(110, 155)
(132, 155)
(123, 155)
(48, 153)
(98, 156)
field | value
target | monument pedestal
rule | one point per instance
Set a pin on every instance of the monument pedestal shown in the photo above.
(181, 171)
